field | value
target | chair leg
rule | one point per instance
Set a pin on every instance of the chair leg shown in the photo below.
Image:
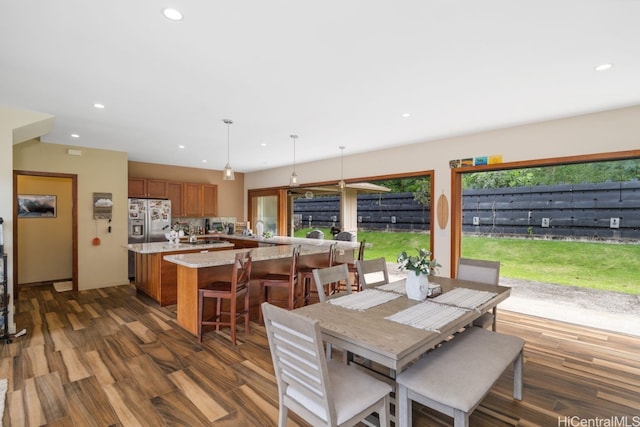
(460, 419)
(403, 407)
(517, 377)
(495, 318)
(200, 313)
(218, 313)
(383, 414)
(262, 299)
(291, 298)
(232, 319)
(246, 313)
(282, 417)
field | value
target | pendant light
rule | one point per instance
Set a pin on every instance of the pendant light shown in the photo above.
(293, 182)
(227, 174)
(341, 184)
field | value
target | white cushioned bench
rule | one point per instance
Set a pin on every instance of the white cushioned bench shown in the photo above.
(455, 378)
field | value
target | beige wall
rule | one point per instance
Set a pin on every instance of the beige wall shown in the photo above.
(99, 171)
(45, 244)
(15, 126)
(230, 193)
(609, 131)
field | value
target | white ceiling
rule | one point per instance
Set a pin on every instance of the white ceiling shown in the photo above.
(337, 73)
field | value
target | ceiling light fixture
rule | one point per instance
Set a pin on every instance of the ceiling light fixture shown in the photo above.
(603, 67)
(405, 115)
(227, 174)
(97, 105)
(75, 135)
(172, 14)
(341, 184)
(293, 182)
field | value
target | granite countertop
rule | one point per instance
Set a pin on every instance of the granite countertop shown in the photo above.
(159, 247)
(217, 258)
(283, 240)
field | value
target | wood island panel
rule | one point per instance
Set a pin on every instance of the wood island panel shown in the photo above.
(158, 278)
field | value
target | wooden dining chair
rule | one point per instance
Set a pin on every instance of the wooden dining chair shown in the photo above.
(306, 275)
(351, 265)
(322, 392)
(232, 290)
(286, 281)
(336, 277)
(372, 272)
(482, 271)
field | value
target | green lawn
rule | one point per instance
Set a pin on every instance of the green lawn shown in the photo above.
(613, 267)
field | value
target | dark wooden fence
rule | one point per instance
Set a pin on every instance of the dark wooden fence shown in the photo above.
(606, 210)
(596, 211)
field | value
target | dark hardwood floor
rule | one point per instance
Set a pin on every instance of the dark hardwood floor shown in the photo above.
(110, 357)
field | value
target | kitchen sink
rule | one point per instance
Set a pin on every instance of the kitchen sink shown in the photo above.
(206, 242)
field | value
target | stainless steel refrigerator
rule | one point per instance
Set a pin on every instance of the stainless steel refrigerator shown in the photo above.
(149, 220)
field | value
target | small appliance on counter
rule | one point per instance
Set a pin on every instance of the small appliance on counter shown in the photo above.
(243, 227)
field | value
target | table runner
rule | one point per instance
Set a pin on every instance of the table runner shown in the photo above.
(399, 287)
(428, 315)
(363, 300)
(465, 298)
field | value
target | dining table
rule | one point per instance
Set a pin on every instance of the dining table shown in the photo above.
(384, 326)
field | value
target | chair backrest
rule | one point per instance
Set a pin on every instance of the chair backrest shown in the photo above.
(345, 236)
(241, 274)
(315, 234)
(300, 365)
(372, 272)
(332, 275)
(295, 263)
(361, 250)
(332, 254)
(478, 270)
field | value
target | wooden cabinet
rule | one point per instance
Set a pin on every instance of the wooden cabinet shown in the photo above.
(209, 200)
(188, 199)
(147, 187)
(192, 199)
(174, 193)
(199, 200)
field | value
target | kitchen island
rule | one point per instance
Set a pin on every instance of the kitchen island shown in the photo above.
(156, 277)
(197, 269)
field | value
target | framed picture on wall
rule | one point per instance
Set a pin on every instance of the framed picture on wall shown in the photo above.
(36, 206)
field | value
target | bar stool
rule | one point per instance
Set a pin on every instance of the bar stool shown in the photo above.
(306, 274)
(232, 290)
(352, 266)
(287, 281)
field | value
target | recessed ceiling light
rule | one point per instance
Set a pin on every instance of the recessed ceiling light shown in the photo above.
(405, 115)
(180, 146)
(172, 14)
(75, 135)
(264, 144)
(100, 106)
(204, 161)
(603, 67)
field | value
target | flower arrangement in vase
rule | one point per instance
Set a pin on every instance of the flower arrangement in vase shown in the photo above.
(419, 268)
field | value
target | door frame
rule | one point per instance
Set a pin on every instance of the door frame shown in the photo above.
(74, 224)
